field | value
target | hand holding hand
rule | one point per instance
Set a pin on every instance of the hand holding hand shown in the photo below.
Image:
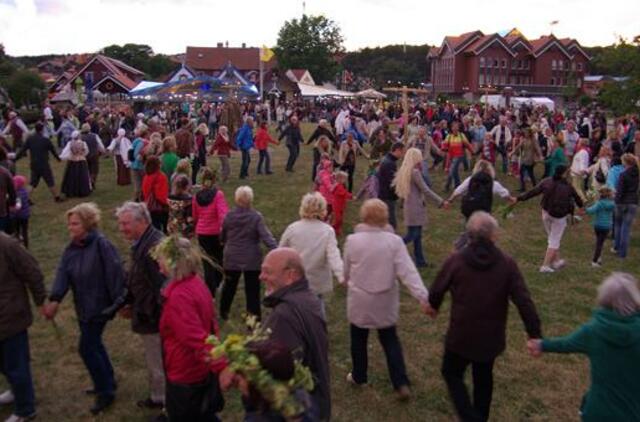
(428, 310)
(50, 310)
(534, 346)
(512, 200)
(446, 204)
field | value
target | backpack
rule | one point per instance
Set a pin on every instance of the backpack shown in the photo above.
(479, 196)
(560, 206)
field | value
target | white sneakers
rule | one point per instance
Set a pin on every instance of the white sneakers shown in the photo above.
(6, 398)
(16, 418)
(596, 264)
(559, 264)
(547, 269)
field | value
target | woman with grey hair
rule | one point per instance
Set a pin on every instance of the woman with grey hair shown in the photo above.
(611, 340)
(243, 229)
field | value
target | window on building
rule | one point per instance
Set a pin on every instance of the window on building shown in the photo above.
(579, 83)
(503, 79)
(579, 67)
(481, 79)
(481, 62)
(553, 81)
(489, 62)
(88, 77)
(513, 64)
(489, 79)
(495, 63)
(504, 63)
(560, 64)
(512, 80)
(554, 65)
(573, 66)
(526, 64)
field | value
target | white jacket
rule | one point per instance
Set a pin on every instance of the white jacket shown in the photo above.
(374, 260)
(580, 163)
(316, 242)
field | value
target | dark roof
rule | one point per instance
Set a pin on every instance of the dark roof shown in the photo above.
(216, 58)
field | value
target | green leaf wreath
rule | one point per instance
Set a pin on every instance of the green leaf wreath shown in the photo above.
(279, 394)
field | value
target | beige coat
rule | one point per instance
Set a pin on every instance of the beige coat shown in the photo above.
(374, 260)
(415, 209)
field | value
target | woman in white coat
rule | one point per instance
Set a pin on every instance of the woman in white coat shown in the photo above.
(316, 243)
(119, 147)
(374, 259)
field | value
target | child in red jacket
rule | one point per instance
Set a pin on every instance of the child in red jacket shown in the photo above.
(340, 197)
(262, 141)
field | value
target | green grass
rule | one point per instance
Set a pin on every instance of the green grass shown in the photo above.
(525, 389)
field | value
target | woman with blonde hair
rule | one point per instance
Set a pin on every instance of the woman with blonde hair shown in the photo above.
(316, 243)
(611, 341)
(410, 186)
(91, 268)
(188, 318)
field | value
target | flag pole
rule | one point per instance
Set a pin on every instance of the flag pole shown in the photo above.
(261, 78)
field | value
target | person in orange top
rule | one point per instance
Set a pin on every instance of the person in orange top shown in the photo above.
(340, 197)
(455, 144)
(261, 142)
(155, 191)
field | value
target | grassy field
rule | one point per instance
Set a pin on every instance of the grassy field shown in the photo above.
(525, 389)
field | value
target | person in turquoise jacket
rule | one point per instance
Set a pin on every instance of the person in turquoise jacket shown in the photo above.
(602, 212)
(611, 340)
(244, 141)
(557, 157)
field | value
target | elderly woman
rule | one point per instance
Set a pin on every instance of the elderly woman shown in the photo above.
(410, 186)
(373, 298)
(119, 147)
(243, 229)
(558, 199)
(91, 268)
(188, 318)
(316, 243)
(611, 340)
(76, 181)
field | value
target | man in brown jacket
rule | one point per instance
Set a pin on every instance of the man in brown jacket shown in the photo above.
(184, 139)
(19, 272)
(482, 279)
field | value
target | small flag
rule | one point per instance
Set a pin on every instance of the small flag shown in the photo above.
(266, 53)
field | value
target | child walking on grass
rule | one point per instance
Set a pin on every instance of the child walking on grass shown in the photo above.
(602, 212)
(340, 197)
(22, 211)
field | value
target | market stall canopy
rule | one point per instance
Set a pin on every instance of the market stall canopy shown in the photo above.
(200, 88)
(320, 91)
(372, 94)
(144, 85)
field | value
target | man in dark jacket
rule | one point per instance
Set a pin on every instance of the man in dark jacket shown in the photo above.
(386, 173)
(19, 272)
(95, 149)
(482, 280)
(39, 147)
(296, 320)
(7, 198)
(184, 139)
(626, 203)
(143, 297)
(293, 140)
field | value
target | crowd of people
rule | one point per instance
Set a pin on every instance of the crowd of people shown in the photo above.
(188, 247)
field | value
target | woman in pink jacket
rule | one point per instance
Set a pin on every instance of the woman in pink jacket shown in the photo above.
(208, 211)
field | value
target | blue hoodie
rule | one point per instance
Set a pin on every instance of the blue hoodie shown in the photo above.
(244, 139)
(602, 212)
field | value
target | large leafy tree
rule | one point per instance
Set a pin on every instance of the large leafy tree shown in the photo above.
(312, 43)
(141, 56)
(25, 88)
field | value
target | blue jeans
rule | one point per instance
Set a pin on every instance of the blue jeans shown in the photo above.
(454, 172)
(414, 234)
(246, 160)
(265, 159)
(425, 173)
(622, 220)
(15, 365)
(95, 357)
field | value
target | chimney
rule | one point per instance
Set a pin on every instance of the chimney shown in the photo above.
(226, 44)
(244, 45)
(219, 45)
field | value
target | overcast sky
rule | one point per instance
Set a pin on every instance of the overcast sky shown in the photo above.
(29, 27)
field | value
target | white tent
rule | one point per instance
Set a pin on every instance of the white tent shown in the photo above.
(533, 102)
(371, 93)
(320, 91)
(496, 101)
(144, 85)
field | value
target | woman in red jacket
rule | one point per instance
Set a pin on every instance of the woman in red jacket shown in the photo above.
(208, 209)
(188, 319)
(262, 141)
(155, 191)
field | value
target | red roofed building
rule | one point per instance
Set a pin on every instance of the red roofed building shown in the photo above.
(103, 74)
(474, 62)
(213, 60)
